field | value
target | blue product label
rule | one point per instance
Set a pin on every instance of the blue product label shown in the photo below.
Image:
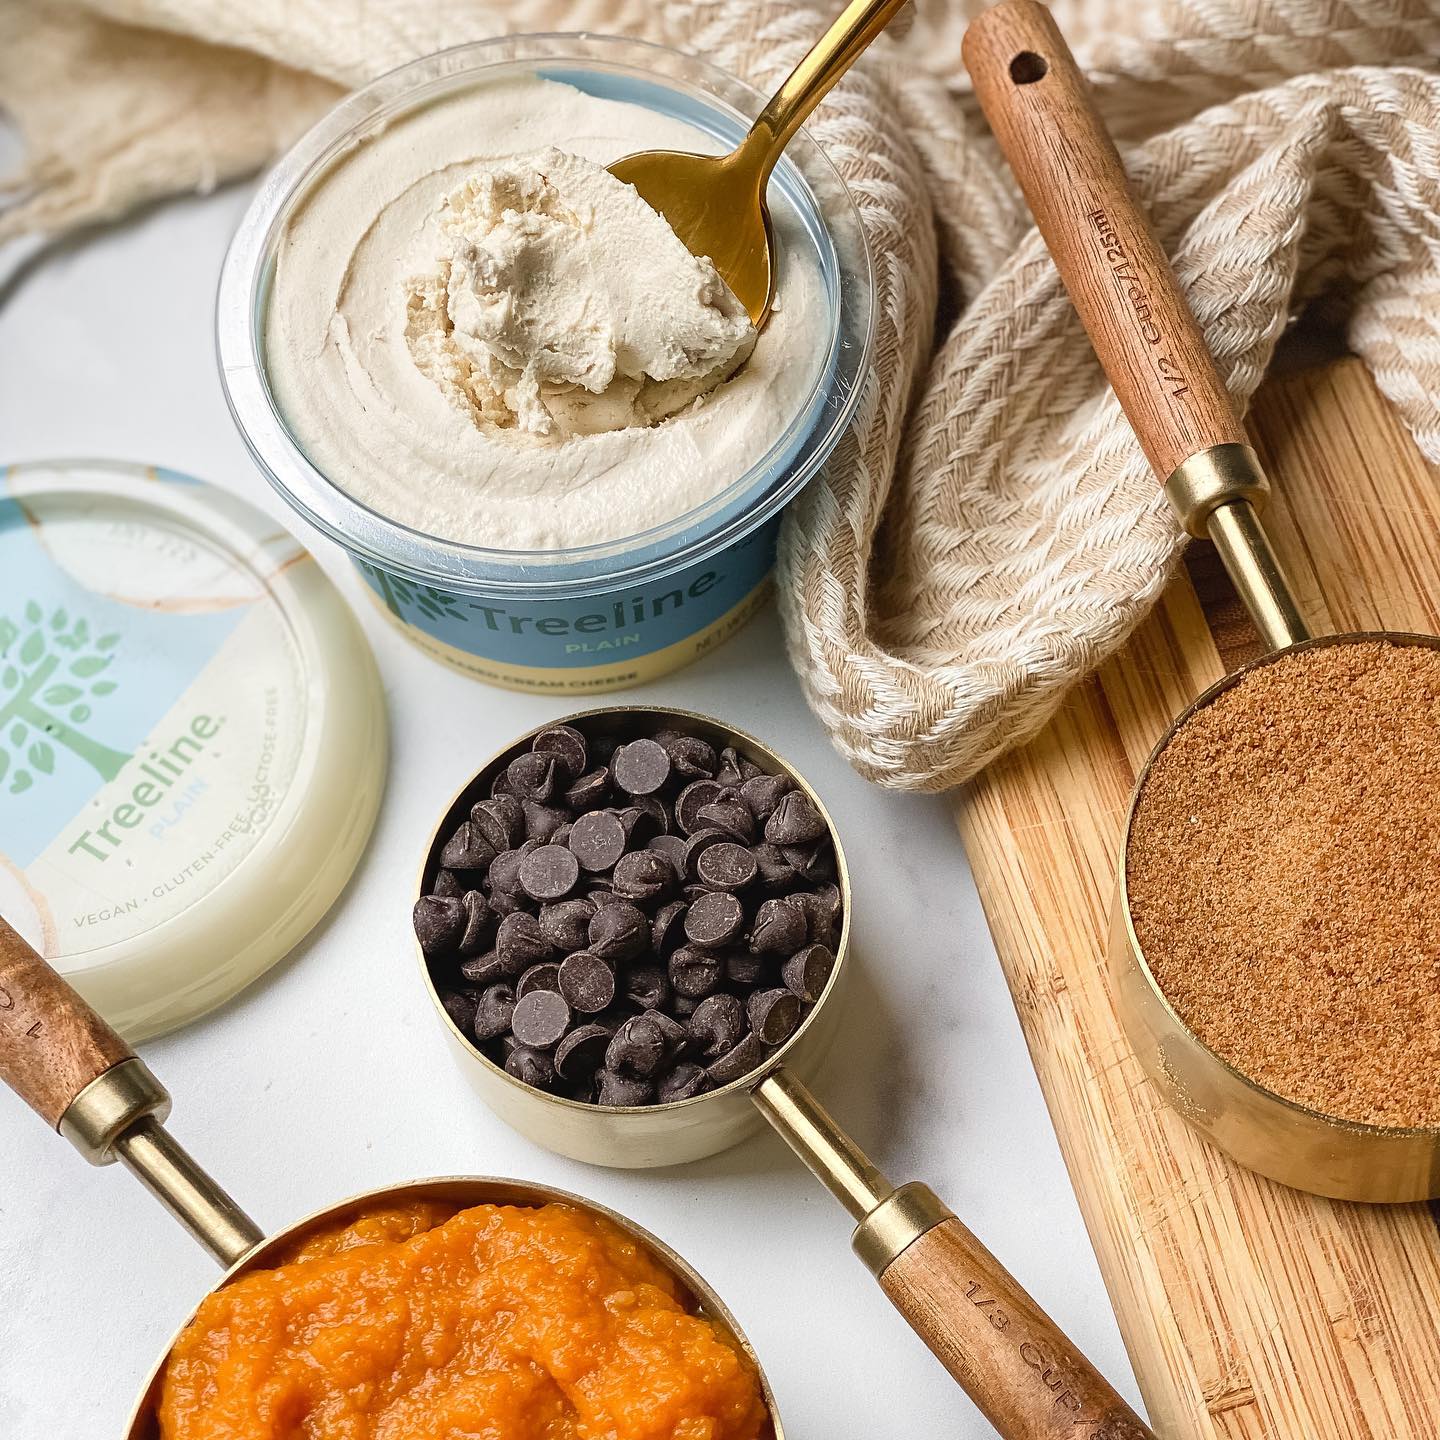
(608, 628)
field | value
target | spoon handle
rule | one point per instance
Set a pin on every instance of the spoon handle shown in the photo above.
(813, 78)
(1041, 110)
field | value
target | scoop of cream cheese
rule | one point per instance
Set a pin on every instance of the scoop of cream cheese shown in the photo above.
(562, 304)
(490, 361)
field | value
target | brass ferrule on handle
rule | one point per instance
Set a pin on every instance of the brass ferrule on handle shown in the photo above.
(120, 1116)
(1217, 493)
(890, 1218)
(78, 1075)
(1008, 1355)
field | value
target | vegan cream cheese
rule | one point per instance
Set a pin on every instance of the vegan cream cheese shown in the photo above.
(477, 331)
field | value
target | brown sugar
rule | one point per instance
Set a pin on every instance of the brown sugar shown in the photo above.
(1284, 879)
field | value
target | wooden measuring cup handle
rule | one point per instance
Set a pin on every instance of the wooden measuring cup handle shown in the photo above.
(52, 1044)
(1029, 1380)
(1041, 110)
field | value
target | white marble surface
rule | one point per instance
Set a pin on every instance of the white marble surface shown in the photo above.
(330, 1076)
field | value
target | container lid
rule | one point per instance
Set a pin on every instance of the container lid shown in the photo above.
(192, 736)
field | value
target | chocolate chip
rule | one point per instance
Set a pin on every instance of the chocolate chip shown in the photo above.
(500, 820)
(637, 1048)
(715, 920)
(568, 745)
(814, 862)
(589, 790)
(597, 840)
(479, 923)
(549, 873)
(672, 847)
(439, 922)
(794, 821)
(761, 793)
(781, 927)
(683, 1006)
(774, 1015)
(581, 1053)
(685, 1080)
(645, 818)
(619, 932)
(718, 1024)
(494, 1009)
(586, 982)
(667, 929)
(822, 908)
(691, 800)
(698, 844)
(648, 987)
(623, 1090)
(533, 1067)
(489, 967)
(738, 1062)
(726, 867)
(541, 1018)
(543, 821)
(447, 885)
(695, 973)
(807, 970)
(640, 768)
(677, 1037)
(467, 849)
(544, 976)
(745, 969)
(644, 876)
(730, 815)
(504, 874)
(566, 923)
(728, 773)
(776, 872)
(535, 776)
(690, 756)
(459, 1005)
(520, 942)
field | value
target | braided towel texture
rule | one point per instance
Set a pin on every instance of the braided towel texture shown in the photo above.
(988, 531)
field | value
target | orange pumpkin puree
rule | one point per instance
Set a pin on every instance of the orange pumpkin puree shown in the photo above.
(495, 1323)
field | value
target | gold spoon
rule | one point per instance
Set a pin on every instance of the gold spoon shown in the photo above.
(716, 204)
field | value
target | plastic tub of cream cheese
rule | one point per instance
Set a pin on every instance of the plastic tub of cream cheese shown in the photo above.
(604, 560)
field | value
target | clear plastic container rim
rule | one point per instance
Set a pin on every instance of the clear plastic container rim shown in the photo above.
(805, 174)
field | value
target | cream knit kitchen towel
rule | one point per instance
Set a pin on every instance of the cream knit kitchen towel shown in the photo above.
(988, 531)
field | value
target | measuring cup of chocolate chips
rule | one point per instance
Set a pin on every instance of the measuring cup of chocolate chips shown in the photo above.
(634, 923)
(1276, 929)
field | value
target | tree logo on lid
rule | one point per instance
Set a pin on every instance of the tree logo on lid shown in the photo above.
(50, 672)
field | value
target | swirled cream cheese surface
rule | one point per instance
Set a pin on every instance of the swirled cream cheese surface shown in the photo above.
(477, 331)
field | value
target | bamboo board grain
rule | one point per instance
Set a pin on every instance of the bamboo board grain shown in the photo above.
(1249, 1310)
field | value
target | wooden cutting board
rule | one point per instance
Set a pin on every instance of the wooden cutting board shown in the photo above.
(1249, 1310)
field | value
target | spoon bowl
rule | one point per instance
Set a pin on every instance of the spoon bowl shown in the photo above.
(716, 204)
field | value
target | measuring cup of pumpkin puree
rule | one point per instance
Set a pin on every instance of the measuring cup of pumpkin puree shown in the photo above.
(657, 1351)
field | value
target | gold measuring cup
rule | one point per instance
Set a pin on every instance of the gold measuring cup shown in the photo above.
(1121, 283)
(1009, 1356)
(64, 1061)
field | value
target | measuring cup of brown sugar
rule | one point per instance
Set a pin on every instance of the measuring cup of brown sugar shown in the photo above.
(635, 924)
(1276, 930)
